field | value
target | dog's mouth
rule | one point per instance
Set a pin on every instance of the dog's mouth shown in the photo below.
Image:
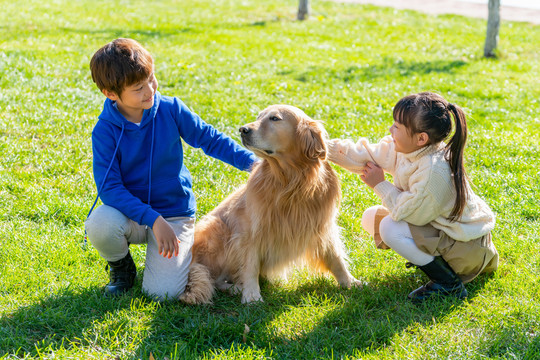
(250, 146)
(245, 142)
(256, 150)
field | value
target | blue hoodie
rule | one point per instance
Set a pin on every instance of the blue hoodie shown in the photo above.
(139, 169)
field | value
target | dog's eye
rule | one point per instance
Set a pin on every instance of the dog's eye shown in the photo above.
(274, 118)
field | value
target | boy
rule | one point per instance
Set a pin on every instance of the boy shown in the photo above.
(140, 175)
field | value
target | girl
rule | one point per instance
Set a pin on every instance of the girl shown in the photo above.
(430, 215)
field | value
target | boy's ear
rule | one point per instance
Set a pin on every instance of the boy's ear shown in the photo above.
(422, 139)
(110, 94)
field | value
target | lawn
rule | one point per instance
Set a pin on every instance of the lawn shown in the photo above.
(227, 60)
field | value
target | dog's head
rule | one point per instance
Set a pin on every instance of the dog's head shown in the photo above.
(285, 132)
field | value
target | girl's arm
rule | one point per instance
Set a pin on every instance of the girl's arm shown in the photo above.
(429, 196)
(354, 156)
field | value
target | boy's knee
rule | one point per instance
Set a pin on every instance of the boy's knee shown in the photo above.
(167, 278)
(105, 224)
(165, 286)
(165, 293)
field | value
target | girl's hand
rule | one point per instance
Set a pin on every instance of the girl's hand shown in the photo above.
(372, 174)
(166, 238)
(338, 154)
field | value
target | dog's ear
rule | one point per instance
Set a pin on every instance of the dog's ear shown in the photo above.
(311, 136)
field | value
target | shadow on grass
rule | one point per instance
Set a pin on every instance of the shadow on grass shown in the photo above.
(388, 68)
(315, 320)
(368, 319)
(141, 35)
(56, 322)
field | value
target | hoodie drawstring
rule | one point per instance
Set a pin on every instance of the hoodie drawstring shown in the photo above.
(151, 158)
(103, 182)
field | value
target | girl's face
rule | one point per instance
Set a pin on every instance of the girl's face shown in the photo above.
(405, 142)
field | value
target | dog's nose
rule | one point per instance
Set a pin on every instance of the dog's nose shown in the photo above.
(245, 130)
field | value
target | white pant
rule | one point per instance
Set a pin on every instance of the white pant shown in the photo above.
(397, 235)
(110, 232)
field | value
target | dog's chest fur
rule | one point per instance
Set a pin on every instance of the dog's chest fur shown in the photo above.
(288, 218)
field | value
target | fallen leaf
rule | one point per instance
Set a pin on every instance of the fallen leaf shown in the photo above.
(246, 331)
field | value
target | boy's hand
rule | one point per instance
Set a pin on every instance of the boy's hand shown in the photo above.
(166, 238)
(372, 174)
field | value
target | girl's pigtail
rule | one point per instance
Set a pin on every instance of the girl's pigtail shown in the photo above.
(454, 155)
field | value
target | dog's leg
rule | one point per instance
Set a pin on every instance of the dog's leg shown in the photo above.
(338, 267)
(249, 279)
(333, 258)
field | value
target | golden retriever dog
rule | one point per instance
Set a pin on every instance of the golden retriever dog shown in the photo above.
(284, 215)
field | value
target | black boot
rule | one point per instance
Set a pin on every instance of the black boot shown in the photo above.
(444, 282)
(122, 275)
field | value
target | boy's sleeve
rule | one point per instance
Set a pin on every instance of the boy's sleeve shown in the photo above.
(199, 134)
(114, 193)
(354, 156)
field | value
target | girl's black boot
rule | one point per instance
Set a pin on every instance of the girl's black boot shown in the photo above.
(443, 281)
(122, 275)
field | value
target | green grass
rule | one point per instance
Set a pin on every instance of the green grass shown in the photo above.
(228, 60)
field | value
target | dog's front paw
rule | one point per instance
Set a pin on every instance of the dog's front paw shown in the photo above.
(353, 283)
(249, 297)
(358, 283)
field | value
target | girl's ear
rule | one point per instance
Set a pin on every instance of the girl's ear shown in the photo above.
(110, 94)
(422, 139)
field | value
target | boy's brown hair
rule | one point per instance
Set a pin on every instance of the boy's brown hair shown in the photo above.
(120, 63)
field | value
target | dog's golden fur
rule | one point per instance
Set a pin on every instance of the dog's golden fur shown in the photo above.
(284, 214)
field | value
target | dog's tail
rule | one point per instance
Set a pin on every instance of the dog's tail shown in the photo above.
(200, 286)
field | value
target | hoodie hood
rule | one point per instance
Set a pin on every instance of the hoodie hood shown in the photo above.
(111, 114)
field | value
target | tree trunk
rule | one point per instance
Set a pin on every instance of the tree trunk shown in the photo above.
(492, 35)
(303, 9)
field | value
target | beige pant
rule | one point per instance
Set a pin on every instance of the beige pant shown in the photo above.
(110, 232)
(467, 259)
